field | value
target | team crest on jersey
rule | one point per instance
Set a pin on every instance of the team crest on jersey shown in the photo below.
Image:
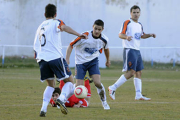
(137, 36)
(68, 69)
(130, 64)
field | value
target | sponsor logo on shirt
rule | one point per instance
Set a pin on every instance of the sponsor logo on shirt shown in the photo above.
(90, 50)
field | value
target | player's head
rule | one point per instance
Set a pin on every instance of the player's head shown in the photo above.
(56, 93)
(135, 12)
(98, 27)
(50, 11)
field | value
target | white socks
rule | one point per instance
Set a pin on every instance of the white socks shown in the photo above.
(118, 83)
(138, 87)
(47, 97)
(67, 91)
(99, 90)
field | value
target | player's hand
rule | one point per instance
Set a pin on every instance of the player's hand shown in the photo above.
(108, 63)
(129, 38)
(83, 36)
(153, 35)
(76, 106)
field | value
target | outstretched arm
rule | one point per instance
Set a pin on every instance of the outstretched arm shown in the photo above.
(77, 105)
(106, 52)
(144, 36)
(68, 53)
(71, 31)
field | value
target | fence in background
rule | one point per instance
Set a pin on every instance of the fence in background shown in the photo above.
(150, 48)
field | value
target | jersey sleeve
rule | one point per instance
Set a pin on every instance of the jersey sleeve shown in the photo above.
(37, 45)
(59, 24)
(78, 40)
(105, 41)
(107, 44)
(142, 33)
(124, 27)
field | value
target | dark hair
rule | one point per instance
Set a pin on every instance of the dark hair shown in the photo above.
(99, 23)
(50, 10)
(57, 90)
(135, 7)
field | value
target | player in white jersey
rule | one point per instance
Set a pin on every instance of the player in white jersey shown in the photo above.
(47, 47)
(131, 33)
(86, 57)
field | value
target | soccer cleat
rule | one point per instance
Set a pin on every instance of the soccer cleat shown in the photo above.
(62, 106)
(142, 98)
(42, 114)
(111, 93)
(105, 105)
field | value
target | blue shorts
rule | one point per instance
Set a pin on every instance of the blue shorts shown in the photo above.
(57, 67)
(92, 67)
(132, 60)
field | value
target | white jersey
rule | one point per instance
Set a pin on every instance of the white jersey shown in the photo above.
(47, 42)
(88, 49)
(131, 28)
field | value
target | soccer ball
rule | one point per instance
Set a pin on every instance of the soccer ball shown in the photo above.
(80, 91)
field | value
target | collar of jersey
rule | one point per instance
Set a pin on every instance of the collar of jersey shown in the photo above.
(94, 36)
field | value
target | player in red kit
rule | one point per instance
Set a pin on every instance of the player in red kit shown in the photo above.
(73, 101)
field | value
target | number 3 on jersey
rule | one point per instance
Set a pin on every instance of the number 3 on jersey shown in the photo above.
(42, 37)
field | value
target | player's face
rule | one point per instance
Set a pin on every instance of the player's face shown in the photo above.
(97, 30)
(55, 96)
(135, 14)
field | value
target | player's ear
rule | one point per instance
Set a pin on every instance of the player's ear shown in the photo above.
(102, 28)
(55, 15)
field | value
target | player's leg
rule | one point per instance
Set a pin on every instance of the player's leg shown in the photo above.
(100, 90)
(94, 72)
(129, 67)
(61, 84)
(67, 90)
(62, 71)
(87, 85)
(80, 74)
(137, 79)
(46, 74)
(138, 87)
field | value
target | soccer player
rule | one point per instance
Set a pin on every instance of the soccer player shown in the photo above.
(73, 101)
(86, 57)
(131, 33)
(47, 47)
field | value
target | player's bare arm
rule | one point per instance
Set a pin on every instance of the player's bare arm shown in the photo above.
(144, 36)
(68, 53)
(106, 52)
(77, 105)
(71, 31)
(124, 36)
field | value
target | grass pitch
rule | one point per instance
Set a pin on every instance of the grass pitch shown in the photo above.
(21, 97)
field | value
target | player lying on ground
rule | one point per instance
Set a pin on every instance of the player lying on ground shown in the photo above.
(73, 101)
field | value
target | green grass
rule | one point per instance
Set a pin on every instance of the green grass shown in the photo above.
(21, 96)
